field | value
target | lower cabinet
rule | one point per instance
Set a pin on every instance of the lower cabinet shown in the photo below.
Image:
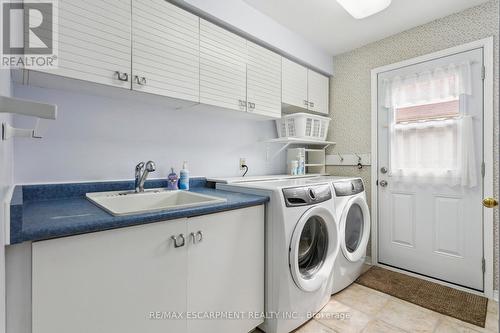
(226, 270)
(139, 279)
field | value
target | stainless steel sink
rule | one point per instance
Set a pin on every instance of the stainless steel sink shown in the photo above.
(125, 203)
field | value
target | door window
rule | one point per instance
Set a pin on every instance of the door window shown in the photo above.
(313, 246)
(430, 128)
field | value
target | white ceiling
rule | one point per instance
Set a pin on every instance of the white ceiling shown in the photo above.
(327, 24)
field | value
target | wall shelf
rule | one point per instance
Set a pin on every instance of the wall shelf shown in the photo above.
(286, 142)
(26, 108)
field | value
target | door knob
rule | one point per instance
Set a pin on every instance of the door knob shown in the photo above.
(383, 169)
(383, 183)
(490, 203)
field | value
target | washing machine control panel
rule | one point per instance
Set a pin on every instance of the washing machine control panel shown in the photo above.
(348, 187)
(306, 195)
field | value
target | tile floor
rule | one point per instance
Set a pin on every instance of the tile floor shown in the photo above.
(375, 312)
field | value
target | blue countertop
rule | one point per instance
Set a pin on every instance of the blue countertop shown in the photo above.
(39, 212)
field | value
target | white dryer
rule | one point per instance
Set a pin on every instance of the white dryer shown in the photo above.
(302, 243)
(353, 216)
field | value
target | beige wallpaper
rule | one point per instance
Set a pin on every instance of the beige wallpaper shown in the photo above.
(350, 97)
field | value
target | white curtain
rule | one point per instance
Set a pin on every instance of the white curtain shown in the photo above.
(433, 150)
(440, 84)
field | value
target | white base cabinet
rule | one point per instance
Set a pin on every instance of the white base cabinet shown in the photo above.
(226, 269)
(131, 279)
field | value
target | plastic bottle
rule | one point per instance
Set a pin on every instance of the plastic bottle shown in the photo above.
(302, 167)
(172, 180)
(294, 167)
(184, 177)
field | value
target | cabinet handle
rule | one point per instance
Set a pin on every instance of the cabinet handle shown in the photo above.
(243, 103)
(140, 80)
(193, 235)
(251, 106)
(197, 237)
(306, 103)
(181, 236)
(311, 104)
(122, 76)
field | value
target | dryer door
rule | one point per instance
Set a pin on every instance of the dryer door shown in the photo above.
(313, 248)
(355, 228)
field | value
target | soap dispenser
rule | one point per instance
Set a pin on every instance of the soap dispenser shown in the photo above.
(172, 180)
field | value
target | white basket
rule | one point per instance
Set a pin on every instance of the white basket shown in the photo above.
(303, 125)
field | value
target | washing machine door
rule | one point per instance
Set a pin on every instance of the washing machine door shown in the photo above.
(355, 228)
(313, 248)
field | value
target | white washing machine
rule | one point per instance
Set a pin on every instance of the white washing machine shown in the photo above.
(353, 216)
(302, 243)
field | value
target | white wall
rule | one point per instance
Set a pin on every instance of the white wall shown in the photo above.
(101, 138)
(244, 17)
(6, 165)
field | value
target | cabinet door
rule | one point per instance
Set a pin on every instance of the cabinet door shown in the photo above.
(110, 281)
(165, 50)
(318, 92)
(94, 41)
(294, 84)
(222, 67)
(226, 268)
(263, 81)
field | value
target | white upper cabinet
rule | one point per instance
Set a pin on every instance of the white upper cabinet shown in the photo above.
(304, 88)
(317, 92)
(94, 41)
(263, 81)
(165, 50)
(294, 84)
(223, 59)
(155, 47)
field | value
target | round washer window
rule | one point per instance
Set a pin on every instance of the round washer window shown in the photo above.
(354, 228)
(313, 246)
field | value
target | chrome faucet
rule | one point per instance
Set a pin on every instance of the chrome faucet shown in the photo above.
(141, 176)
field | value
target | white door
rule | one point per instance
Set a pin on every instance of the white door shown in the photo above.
(226, 269)
(223, 67)
(430, 152)
(111, 281)
(317, 92)
(165, 50)
(94, 41)
(263, 81)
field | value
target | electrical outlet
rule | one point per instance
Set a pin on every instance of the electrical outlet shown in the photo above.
(243, 161)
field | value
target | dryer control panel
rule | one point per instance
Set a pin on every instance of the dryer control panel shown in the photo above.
(306, 195)
(348, 187)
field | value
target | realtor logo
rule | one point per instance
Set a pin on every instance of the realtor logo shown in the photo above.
(29, 34)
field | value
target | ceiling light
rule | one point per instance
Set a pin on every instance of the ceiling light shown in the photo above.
(363, 8)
